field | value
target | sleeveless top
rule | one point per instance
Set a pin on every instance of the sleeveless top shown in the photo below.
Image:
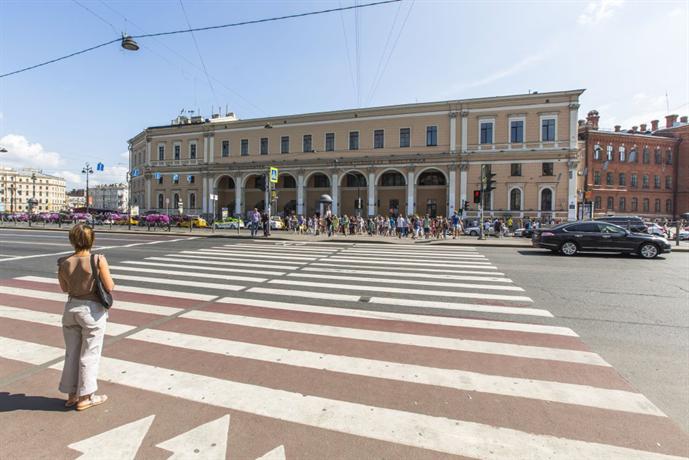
(75, 272)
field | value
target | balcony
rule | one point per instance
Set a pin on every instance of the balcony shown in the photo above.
(518, 147)
(173, 163)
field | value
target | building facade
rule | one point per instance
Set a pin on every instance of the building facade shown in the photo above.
(413, 159)
(112, 197)
(18, 186)
(632, 171)
(679, 129)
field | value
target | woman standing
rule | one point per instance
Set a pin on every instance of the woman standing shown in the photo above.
(83, 321)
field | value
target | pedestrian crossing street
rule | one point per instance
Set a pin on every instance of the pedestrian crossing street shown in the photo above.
(421, 351)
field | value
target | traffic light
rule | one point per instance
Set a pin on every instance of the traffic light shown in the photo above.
(261, 183)
(490, 182)
(466, 205)
(477, 197)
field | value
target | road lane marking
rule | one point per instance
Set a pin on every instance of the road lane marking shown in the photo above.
(426, 270)
(134, 289)
(418, 263)
(121, 443)
(395, 290)
(493, 287)
(28, 352)
(407, 302)
(406, 317)
(244, 256)
(53, 319)
(324, 269)
(198, 267)
(217, 276)
(207, 442)
(234, 261)
(177, 282)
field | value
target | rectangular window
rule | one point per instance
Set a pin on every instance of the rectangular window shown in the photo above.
(646, 156)
(623, 179)
(515, 169)
(658, 156)
(264, 146)
(354, 140)
(244, 147)
(548, 130)
(307, 143)
(657, 205)
(635, 204)
(432, 136)
(644, 181)
(611, 203)
(668, 206)
(190, 179)
(284, 144)
(378, 139)
(329, 142)
(175, 179)
(486, 130)
(225, 150)
(547, 169)
(517, 131)
(646, 204)
(608, 179)
(192, 151)
(623, 204)
(656, 181)
(597, 202)
(405, 137)
(177, 151)
(161, 152)
(668, 182)
(668, 157)
(160, 180)
(635, 180)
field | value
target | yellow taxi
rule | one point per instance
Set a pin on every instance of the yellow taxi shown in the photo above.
(195, 221)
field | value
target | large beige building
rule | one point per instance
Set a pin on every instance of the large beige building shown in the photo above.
(412, 158)
(18, 186)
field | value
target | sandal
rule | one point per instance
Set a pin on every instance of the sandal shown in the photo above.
(72, 400)
(93, 400)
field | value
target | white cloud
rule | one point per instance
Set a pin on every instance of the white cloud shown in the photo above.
(23, 154)
(597, 11)
(507, 71)
(125, 155)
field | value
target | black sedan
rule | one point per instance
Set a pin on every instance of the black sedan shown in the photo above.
(585, 236)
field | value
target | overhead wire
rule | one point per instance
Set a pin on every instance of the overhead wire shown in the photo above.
(346, 40)
(385, 48)
(198, 29)
(96, 15)
(358, 55)
(392, 50)
(198, 50)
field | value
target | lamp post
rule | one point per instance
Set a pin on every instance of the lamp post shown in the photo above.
(358, 191)
(129, 200)
(87, 170)
(32, 200)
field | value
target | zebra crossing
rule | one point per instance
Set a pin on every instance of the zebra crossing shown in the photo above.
(339, 350)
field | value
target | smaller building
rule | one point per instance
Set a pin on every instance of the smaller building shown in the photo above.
(113, 197)
(632, 171)
(679, 130)
(18, 186)
(76, 198)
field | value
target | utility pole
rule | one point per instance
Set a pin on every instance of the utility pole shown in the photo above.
(87, 170)
(129, 200)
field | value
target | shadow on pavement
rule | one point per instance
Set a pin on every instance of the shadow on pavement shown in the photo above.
(592, 255)
(12, 402)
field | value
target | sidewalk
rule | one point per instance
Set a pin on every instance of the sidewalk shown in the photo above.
(281, 235)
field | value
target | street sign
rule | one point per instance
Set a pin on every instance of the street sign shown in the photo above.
(157, 176)
(274, 175)
(135, 211)
(175, 177)
(224, 213)
(100, 167)
(167, 201)
(190, 178)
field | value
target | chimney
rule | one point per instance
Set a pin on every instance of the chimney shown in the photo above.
(643, 127)
(582, 123)
(634, 128)
(654, 125)
(592, 119)
(684, 119)
(617, 128)
(670, 120)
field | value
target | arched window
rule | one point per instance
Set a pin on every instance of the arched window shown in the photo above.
(192, 200)
(161, 201)
(392, 179)
(432, 178)
(609, 153)
(646, 155)
(288, 181)
(623, 153)
(355, 179)
(633, 156)
(596, 152)
(320, 181)
(546, 199)
(175, 200)
(515, 199)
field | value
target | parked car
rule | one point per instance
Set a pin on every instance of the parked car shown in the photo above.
(523, 232)
(230, 223)
(584, 236)
(655, 229)
(475, 231)
(631, 223)
(194, 221)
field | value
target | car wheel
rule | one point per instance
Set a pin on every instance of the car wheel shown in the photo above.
(648, 251)
(473, 233)
(569, 248)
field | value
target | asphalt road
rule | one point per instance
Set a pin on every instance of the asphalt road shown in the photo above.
(631, 312)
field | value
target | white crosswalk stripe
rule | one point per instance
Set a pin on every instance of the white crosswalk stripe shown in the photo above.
(382, 312)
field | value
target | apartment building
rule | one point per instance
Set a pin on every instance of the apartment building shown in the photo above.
(18, 186)
(630, 171)
(112, 197)
(422, 158)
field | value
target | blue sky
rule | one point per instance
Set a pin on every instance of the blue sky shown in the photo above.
(626, 54)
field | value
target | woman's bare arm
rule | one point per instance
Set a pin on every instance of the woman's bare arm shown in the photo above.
(63, 283)
(104, 271)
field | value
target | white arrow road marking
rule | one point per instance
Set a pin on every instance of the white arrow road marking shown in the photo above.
(120, 443)
(208, 441)
(276, 454)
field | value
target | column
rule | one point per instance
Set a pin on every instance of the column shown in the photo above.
(148, 151)
(334, 186)
(238, 196)
(465, 127)
(300, 194)
(371, 194)
(205, 196)
(452, 192)
(205, 148)
(573, 129)
(463, 183)
(571, 191)
(148, 193)
(410, 192)
(453, 132)
(211, 148)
